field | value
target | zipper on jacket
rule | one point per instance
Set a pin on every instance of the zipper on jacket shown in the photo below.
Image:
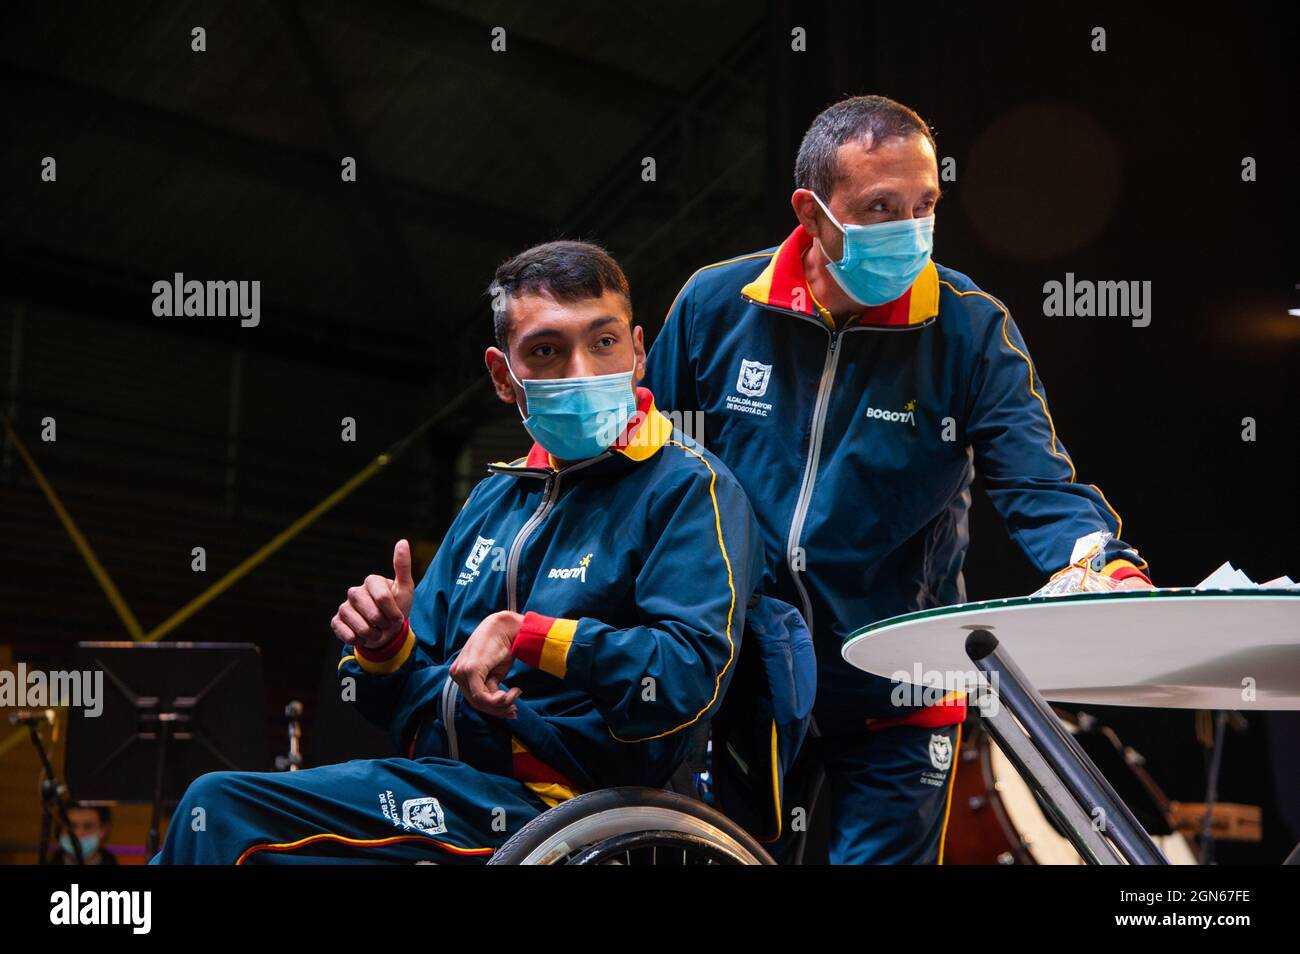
(815, 442)
(810, 471)
(549, 496)
(512, 562)
(804, 499)
(449, 693)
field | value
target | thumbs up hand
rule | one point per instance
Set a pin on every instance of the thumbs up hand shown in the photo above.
(374, 611)
(402, 586)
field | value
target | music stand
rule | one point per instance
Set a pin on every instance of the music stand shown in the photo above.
(170, 712)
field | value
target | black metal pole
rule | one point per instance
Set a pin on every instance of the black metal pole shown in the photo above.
(1212, 790)
(155, 814)
(1066, 757)
(52, 793)
(1047, 786)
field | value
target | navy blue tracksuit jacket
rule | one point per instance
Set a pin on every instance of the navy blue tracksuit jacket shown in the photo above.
(632, 570)
(857, 446)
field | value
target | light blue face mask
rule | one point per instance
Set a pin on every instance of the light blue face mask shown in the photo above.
(89, 845)
(880, 261)
(577, 418)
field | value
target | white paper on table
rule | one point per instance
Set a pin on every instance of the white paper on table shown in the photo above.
(1228, 577)
(1279, 583)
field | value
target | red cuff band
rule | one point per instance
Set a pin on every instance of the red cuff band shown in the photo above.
(1124, 572)
(527, 646)
(389, 649)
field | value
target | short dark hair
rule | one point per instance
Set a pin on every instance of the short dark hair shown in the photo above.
(566, 271)
(857, 119)
(104, 812)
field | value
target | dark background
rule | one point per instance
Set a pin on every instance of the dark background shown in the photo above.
(183, 432)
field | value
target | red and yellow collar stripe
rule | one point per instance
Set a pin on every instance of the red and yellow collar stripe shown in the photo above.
(783, 285)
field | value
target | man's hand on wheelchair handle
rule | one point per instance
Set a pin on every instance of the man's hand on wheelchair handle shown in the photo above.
(374, 612)
(484, 661)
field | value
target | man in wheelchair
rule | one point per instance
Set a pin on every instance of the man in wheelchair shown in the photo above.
(581, 618)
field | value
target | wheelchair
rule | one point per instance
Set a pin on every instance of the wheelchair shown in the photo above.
(632, 826)
(745, 747)
(637, 825)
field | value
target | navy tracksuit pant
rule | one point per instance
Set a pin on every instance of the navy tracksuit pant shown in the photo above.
(887, 792)
(363, 811)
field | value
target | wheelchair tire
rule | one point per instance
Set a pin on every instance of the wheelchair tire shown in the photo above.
(573, 827)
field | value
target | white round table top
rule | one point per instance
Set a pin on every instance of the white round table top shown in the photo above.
(1175, 648)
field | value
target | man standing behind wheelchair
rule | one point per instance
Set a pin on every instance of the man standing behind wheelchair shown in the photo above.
(580, 621)
(854, 386)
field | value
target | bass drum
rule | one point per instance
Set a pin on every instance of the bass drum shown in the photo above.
(997, 819)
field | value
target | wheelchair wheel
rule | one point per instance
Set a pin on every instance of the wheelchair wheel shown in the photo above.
(631, 826)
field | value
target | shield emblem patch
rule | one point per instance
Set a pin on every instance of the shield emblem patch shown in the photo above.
(940, 752)
(753, 378)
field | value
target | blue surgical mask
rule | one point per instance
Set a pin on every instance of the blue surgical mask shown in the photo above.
(880, 261)
(577, 418)
(89, 845)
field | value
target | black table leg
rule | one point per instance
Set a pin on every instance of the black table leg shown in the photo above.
(1074, 823)
(1063, 754)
